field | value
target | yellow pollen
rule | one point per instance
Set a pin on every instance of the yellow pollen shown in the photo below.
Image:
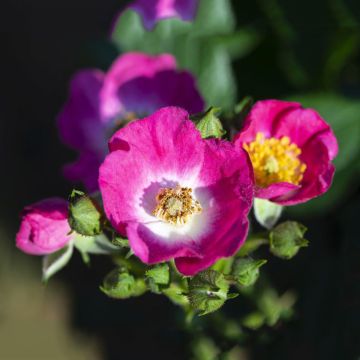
(275, 160)
(176, 206)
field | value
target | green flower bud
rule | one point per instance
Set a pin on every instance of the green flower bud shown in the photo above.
(120, 284)
(208, 291)
(287, 238)
(246, 270)
(84, 216)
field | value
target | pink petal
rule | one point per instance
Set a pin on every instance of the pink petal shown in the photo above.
(165, 150)
(126, 68)
(44, 227)
(264, 117)
(318, 175)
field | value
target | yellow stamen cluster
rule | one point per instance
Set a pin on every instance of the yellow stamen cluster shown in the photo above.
(176, 206)
(275, 160)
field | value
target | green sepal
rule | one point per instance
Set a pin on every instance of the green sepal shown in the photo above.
(287, 238)
(120, 284)
(157, 277)
(208, 291)
(176, 295)
(54, 262)
(267, 213)
(98, 244)
(84, 216)
(246, 270)
(209, 124)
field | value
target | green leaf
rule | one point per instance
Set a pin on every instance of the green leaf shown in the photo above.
(54, 262)
(267, 213)
(205, 46)
(287, 238)
(121, 285)
(84, 216)
(246, 270)
(209, 124)
(208, 291)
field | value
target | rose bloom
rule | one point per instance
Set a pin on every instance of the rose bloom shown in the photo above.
(44, 227)
(152, 11)
(99, 103)
(174, 194)
(291, 149)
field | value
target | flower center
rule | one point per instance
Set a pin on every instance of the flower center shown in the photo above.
(176, 205)
(275, 160)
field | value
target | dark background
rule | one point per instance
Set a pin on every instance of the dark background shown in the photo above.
(44, 43)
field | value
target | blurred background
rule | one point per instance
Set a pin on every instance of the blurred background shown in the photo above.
(308, 51)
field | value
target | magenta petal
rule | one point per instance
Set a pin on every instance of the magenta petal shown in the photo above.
(318, 175)
(153, 10)
(44, 227)
(190, 266)
(125, 69)
(300, 125)
(78, 122)
(165, 150)
(263, 118)
(275, 190)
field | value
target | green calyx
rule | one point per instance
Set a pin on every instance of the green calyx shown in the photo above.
(85, 218)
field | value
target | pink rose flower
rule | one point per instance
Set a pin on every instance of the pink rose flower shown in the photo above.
(291, 149)
(174, 194)
(152, 11)
(136, 84)
(44, 227)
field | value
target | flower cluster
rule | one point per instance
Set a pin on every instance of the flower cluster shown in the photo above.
(171, 187)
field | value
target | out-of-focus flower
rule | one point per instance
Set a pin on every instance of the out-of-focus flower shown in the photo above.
(174, 194)
(152, 11)
(44, 227)
(136, 85)
(291, 149)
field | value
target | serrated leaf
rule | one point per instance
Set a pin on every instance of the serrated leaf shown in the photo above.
(266, 212)
(54, 262)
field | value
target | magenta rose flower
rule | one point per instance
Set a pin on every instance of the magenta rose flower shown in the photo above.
(152, 11)
(291, 149)
(174, 194)
(44, 227)
(136, 84)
